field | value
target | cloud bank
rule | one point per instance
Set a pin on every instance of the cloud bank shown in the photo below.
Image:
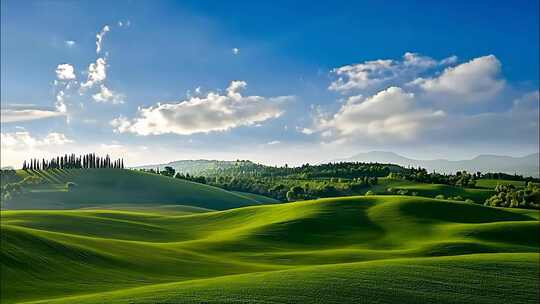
(423, 100)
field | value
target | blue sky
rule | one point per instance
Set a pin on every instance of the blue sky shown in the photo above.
(276, 82)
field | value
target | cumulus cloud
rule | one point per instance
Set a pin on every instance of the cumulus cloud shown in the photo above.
(107, 95)
(476, 80)
(460, 103)
(375, 73)
(236, 51)
(97, 73)
(213, 112)
(274, 142)
(69, 43)
(23, 139)
(389, 113)
(19, 113)
(65, 71)
(100, 36)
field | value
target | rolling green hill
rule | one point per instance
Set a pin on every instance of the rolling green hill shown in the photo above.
(95, 187)
(383, 249)
(432, 190)
(492, 183)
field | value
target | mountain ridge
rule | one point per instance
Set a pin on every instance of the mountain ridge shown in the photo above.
(527, 165)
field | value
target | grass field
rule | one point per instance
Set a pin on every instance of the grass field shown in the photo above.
(492, 183)
(432, 190)
(382, 249)
(97, 187)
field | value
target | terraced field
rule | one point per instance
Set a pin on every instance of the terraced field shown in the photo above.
(376, 249)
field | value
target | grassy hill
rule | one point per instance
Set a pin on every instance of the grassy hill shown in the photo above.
(478, 195)
(383, 249)
(97, 187)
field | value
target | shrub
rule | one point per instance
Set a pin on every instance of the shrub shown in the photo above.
(440, 196)
(470, 201)
(71, 186)
(369, 193)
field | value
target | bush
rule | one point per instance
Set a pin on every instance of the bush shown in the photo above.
(509, 196)
(403, 192)
(440, 196)
(369, 193)
(71, 186)
(470, 201)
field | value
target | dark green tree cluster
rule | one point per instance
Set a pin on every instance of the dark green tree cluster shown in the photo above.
(196, 179)
(14, 189)
(8, 176)
(72, 161)
(346, 170)
(420, 175)
(505, 176)
(510, 196)
(171, 172)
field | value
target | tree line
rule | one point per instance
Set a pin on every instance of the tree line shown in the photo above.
(72, 161)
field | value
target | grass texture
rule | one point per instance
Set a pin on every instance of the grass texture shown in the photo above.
(375, 249)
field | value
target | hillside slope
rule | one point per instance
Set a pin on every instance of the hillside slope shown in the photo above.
(95, 187)
(368, 248)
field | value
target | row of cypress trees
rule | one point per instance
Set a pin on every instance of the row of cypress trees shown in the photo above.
(73, 161)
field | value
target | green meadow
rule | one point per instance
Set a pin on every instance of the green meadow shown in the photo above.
(200, 244)
(98, 187)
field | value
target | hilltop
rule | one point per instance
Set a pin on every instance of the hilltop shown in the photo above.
(364, 247)
(195, 167)
(98, 187)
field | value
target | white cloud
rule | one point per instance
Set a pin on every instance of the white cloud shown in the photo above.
(236, 51)
(69, 43)
(65, 71)
(100, 36)
(23, 140)
(391, 113)
(449, 60)
(106, 95)
(465, 104)
(213, 112)
(97, 73)
(125, 23)
(20, 113)
(60, 103)
(375, 73)
(476, 80)
(274, 142)
(306, 131)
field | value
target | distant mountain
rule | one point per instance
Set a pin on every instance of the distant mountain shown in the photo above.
(194, 167)
(527, 165)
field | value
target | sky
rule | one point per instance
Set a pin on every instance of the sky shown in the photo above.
(271, 81)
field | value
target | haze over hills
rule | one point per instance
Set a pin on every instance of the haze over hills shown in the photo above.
(527, 165)
(192, 166)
